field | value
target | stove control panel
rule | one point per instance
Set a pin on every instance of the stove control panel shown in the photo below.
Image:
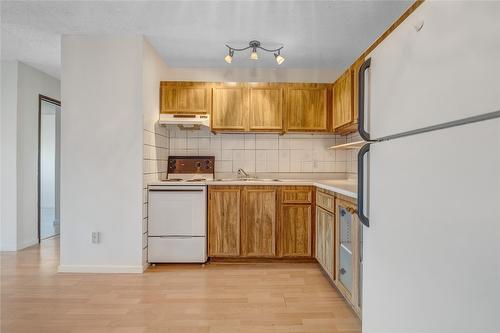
(191, 165)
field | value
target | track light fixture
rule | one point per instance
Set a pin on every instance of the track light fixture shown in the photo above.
(254, 45)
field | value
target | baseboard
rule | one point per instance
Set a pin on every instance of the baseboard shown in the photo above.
(99, 269)
(29, 243)
(8, 247)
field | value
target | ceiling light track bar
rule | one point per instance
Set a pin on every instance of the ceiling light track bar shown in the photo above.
(254, 45)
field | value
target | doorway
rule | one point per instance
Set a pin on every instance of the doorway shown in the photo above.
(49, 116)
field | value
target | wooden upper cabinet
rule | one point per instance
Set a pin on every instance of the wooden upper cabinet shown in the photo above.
(185, 97)
(307, 108)
(224, 222)
(258, 223)
(343, 98)
(230, 108)
(266, 108)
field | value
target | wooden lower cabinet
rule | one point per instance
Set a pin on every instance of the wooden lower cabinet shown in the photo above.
(224, 221)
(261, 221)
(339, 244)
(258, 222)
(296, 238)
(325, 240)
(348, 251)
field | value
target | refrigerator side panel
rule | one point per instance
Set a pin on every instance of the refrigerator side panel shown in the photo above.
(448, 70)
(432, 251)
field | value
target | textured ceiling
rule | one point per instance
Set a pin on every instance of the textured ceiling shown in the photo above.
(316, 34)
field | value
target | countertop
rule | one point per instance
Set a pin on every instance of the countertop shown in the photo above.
(347, 187)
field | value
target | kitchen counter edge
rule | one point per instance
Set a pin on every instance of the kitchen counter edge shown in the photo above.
(340, 186)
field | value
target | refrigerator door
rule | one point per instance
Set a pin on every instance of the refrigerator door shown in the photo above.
(432, 252)
(449, 69)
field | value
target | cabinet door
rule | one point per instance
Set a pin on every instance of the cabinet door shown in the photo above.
(192, 99)
(259, 222)
(307, 108)
(296, 230)
(266, 108)
(325, 226)
(230, 108)
(184, 97)
(224, 222)
(343, 100)
(320, 236)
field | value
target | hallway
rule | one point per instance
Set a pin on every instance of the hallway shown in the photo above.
(176, 298)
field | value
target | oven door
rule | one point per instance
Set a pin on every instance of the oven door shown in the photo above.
(177, 211)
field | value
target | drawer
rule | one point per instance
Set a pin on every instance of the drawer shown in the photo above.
(177, 249)
(325, 201)
(297, 195)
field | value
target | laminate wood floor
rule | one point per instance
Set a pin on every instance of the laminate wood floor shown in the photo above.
(216, 298)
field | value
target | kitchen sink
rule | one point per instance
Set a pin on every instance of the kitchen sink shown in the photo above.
(247, 180)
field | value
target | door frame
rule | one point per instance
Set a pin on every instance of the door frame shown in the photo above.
(41, 98)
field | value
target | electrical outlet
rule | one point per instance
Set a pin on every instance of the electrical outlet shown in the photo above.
(96, 237)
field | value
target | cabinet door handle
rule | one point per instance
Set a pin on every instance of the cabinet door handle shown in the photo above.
(351, 210)
(342, 271)
(361, 192)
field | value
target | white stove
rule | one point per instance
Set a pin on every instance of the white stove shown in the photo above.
(177, 211)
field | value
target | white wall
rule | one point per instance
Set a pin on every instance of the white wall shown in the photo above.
(21, 140)
(8, 186)
(101, 153)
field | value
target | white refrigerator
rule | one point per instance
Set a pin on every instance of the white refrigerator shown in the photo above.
(429, 180)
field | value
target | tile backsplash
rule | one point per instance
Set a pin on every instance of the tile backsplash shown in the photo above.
(155, 156)
(262, 153)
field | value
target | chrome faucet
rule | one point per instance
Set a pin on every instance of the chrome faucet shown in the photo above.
(242, 174)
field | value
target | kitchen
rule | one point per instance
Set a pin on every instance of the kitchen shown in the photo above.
(261, 199)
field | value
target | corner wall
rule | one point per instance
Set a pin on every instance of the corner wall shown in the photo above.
(32, 82)
(21, 85)
(8, 141)
(156, 141)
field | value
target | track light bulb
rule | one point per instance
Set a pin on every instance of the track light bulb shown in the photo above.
(229, 57)
(279, 58)
(254, 55)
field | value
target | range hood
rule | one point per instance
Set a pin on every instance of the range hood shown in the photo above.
(188, 121)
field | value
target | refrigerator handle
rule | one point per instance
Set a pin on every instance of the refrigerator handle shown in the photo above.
(361, 100)
(361, 192)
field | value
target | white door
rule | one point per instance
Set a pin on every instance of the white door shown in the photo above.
(448, 70)
(432, 251)
(177, 211)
